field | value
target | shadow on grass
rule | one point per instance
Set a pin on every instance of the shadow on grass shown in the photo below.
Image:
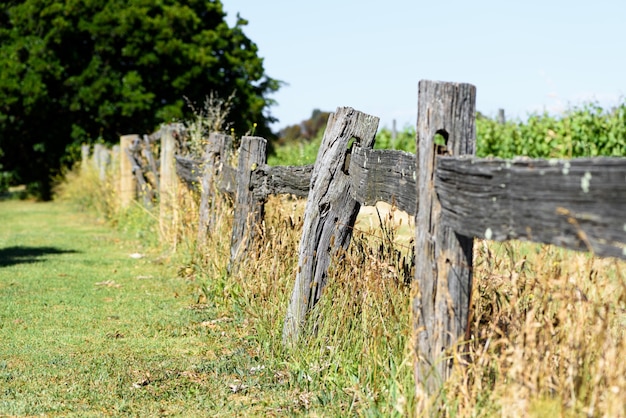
(24, 255)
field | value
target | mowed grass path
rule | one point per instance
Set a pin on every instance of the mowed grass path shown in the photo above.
(88, 330)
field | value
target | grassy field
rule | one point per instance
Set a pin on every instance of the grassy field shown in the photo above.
(89, 330)
(86, 328)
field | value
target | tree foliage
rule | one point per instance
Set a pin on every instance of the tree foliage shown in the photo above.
(306, 130)
(76, 70)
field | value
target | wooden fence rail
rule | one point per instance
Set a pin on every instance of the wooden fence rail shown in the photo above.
(483, 198)
(578, 204)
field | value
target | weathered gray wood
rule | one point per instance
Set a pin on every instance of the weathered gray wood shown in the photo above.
(128, 186)
(295, 180)
(102, 160)
(188, 171)
(136, 171)
(95, 157)
(144, 188)
(374, 175)
(443, 258)
(228, 180)
(477, 196)
(115, 159)
(578, 204)
(147, 152)
(217, 151)
(98, 160)
(84, 157)
(249, 210)
(329, 214)
(501, 117)
(383, 175)
(168, 186)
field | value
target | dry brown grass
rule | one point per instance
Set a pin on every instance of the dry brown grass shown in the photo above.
(547, 328)
(548, 334)
(548, 324)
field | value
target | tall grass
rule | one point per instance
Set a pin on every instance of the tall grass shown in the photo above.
(547, 328)
(354, 357)
(83, 188)
(548, 334)
(547, 331)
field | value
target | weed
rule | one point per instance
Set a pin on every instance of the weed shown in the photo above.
(212, 117)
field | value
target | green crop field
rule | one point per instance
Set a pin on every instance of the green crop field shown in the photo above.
(585, 131)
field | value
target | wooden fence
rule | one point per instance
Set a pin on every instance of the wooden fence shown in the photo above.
(102, 159)
(578, 204)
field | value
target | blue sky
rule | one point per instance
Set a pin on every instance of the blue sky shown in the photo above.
(523, 56)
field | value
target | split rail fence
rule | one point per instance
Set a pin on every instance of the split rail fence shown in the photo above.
(578, 204)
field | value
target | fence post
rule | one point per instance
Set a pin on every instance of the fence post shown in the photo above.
(330, 213)
(443, 259)
(115, 157)
(249, 210)
(394, 132)
(95, 158)
(501, 117)
(147, 153)
(84, 157)
(101, 160)
(168, 185)
(215, 156)
(128, 185)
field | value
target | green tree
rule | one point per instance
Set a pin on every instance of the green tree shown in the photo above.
(306, 130)
(74, 71)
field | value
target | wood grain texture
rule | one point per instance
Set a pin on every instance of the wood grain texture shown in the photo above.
(294, 180)
(228, 180)
(216, 154)
(187, 171)
(374, 176)
(190, 173)
(128, 185)
(168, 190)
(329, 214)
(147, 153)
(142, 188)
(443, 258)
(383, 175)
(578, 204)
(249, 210)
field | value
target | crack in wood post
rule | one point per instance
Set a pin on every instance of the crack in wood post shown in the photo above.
(168, 185)
(217, 151)
(249, 210)
(443, 268)
(329, 214)
(127, 185)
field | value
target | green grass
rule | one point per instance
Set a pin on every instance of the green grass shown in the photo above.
(88, 330)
